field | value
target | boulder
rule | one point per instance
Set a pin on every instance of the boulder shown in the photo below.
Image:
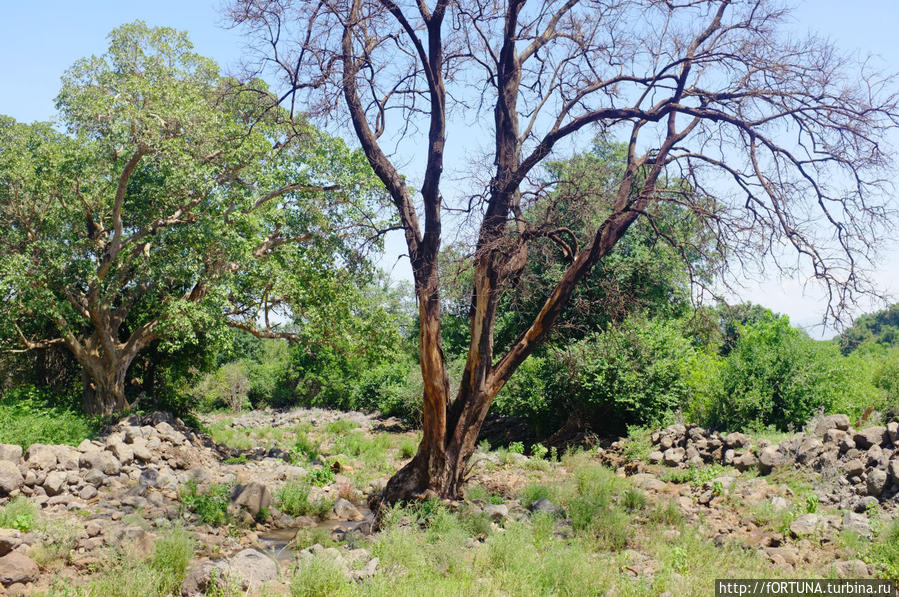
(893, 468)
(496, 512)
(769, 457)
(673, 456)
(736, 440)
(871, 436)
(253, 567)
(41, 456)
(893, 432)
(655, 457)
(853, 467)
(809, 449)
(103, 462)
(9, 540)
(10, 452)
(829, 422)
(10, 478)
(745, 461)
(856, 523)
(850, 569)
(876, 481)
(89, 492)
(55, 483)
(67, 458)
(344, 509)
(544, 505)
(203, 576)
(807, 524)
(122, 452)
(17, 568)
(253, 496)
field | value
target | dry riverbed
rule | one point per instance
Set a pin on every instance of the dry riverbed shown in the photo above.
(274, 503)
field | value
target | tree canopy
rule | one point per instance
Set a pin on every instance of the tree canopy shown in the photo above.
(177, 202)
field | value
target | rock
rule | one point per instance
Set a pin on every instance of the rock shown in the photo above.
(123, 452)
(10, 478)
(856, 523)
(200, 578)
(674, 456)
(253, 496)
(367, 571)
(40, 456)
(768, 459)
(88, 493)
(648, 482)
(544, 505)
(846, 443)
(865, 502)
(103, 461)
(10, 452)
(736, 440)
(55, 483)
(807, 524)
(496, 512)
(745, 461)
(655, 457)
(809, 449)
(92, 528)
(893, 468)
(345, 510)
(829, 422)
(17, 568)
(893, 432)
(871, 436)
(9, 540)
(95, 477)
(779, 503)
(87, 446)
(141, 452)
(148, 478)
(850, 569)
(67, 458)
(253, 567)
(853, 467)
(876, 481)
(835, 436)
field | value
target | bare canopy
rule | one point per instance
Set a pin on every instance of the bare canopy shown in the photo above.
(779, 141)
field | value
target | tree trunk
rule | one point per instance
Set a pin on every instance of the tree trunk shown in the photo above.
(104, 390)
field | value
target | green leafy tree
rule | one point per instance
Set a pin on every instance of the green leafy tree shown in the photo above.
(177, 203)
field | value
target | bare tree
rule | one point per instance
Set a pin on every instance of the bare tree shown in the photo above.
(785, 137)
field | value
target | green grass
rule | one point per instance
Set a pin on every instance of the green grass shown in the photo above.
(533, 493)
(210, 505)
(319, 577)
(408, 447)
(341, 427)
(695, 475)
(19, 514)
(293, 499)
(222, 432)
(27, 417)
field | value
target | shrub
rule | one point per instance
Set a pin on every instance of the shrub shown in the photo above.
(29, 415)
(19, 514)
(210, 505)
(173, 553)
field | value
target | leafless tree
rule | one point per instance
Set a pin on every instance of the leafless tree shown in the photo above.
(786, 135)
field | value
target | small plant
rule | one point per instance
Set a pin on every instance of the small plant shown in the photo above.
(407, 448)
(634, 499)
(341, 427)
(484, 446)
(669, 514)
(811, 504)
(173, 553)
(717, 488)
(516, 448)
(242, 459)
(679, 559)
(19, 514)
(539, 451)
(211, 505)
(321, 476)
(293, 499)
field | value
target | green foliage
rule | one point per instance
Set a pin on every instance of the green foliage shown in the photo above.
(321, 476)
(172, 554)
(532, 493)
(776, 375)
(19, 514)
(30, 415)
(210, 505)
(635, 373)
(516, 448)
(320, 577)
(408, 448)
(695, 475)
(881, 327)
(293, 499)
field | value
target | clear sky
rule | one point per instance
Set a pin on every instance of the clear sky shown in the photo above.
(41, 38)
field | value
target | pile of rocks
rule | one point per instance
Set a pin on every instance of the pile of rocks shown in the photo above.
(863, 464)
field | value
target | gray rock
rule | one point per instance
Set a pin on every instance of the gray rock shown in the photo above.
(871, 436)
(9, 540)
(88, 493)
(95, 477)
(253, 496)
(893, 432)
(93, 528)
(856, 523)
(496, 512)
(40, 456)
(769, 457)
(253, 567)
(674, 456)
(10, 452)
(865, 502)
(846, 443)
(202, 576)
(17, 568)
(103, 461)
(67, 458)
(345, 510)
(893, 468)
(745, 461)
(876, 481)
(544, 505)
(655, 457)
(850, 569)
(148, 478)
(829, 422)
(807, 524)
(122, 452)
(779, 503)
(55, 483)
(10, 478)
(853, 467)
(736, 440)
(809, 449)
(141, 451)
(87, 446)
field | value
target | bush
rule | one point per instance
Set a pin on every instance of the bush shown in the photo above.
(776, 375)
(635, 374)
(29, 415)
(210, 505)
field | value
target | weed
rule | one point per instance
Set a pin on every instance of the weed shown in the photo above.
(694, 475)
(210, 505)
(533, 493)
(293, 499)
(341, 427)
(18, 514)
(539, 451)
(667, 514)
(321, 476)
(173, 553)
(634, 499)
(408, 448)
(242, 459)
(811, 503)
(516, 448)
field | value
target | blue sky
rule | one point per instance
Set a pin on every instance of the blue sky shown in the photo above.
(41, 38)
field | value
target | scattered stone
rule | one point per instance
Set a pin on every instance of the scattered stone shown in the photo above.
(655, 457)
(807, 524)
(10, 478)
(745, 461)
(854, 467)
(40, 456)
(892, 432)
(857, 523)
(54, 483)
(17, 568)
(253, 496)
(871, 436)
(674, 456)
(496, 512)
(544, 505)
(838, 421)
(253, 567)
(850, 569)
(9, 540)
(876, 481)
(10, 452)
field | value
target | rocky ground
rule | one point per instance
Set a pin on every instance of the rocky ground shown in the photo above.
(266, 495)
